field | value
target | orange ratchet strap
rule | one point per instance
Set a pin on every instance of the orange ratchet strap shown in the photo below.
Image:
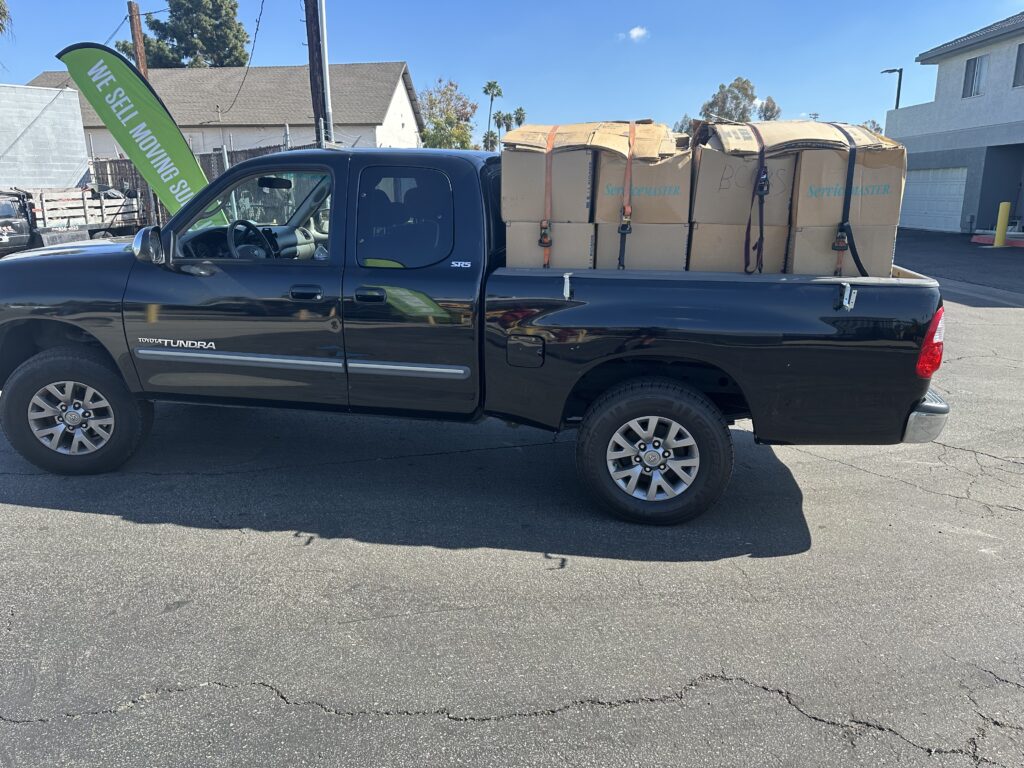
(545, 225)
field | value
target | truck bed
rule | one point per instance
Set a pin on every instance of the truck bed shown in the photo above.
(780, 349)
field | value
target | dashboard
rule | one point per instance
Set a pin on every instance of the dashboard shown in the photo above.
(296, 243)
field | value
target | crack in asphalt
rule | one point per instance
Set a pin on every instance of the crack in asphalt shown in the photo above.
(852, 728)
(980, 453)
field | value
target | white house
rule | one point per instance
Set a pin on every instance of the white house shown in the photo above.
(965, 149)
(374, 105)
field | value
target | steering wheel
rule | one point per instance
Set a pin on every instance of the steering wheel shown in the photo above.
(251, 251)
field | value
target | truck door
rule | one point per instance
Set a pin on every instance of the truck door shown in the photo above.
(412, 282)
(249, 310)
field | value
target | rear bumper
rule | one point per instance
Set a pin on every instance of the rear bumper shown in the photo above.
(927, 419)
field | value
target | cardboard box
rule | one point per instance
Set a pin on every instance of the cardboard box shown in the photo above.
(522, 185)
(781, 136)
(651, 141)
(719, 247)
(810, 250)
(876, 195)
(660, 190)
(648, 246)
(723, 188)
(572, 245)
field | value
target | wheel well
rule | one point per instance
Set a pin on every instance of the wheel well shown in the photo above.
(715, 383)
(23, 339)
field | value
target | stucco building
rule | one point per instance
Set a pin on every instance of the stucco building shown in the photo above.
(966, 148)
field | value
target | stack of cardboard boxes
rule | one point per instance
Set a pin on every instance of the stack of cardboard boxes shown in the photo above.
(588, 166)
(693, 208)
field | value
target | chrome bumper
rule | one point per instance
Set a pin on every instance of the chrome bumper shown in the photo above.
(926, 420)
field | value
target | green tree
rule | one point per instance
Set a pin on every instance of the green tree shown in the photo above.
(448, 114)
(490, 141)
(5, 18)
(508, 120)
(499, 121)
(768, 110)
(683, 124)
(873, 126)
(735, 101)
(197, 33)
(519, 115)
(492, 89)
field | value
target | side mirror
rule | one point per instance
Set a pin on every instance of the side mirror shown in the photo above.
(147, 246)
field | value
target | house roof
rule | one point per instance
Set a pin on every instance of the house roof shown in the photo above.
(1009, 26)
(360, 94)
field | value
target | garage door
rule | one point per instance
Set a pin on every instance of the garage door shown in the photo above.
(934, 199)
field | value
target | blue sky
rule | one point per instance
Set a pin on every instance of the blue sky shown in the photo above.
(574, 61)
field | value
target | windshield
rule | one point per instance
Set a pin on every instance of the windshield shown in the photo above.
(8, 210)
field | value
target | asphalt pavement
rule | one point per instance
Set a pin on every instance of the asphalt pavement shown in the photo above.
(262, 588)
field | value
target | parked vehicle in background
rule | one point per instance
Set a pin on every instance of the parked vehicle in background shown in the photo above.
(374, 281)
(40, 217)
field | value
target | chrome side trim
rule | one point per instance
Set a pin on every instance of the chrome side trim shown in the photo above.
(380, 368)
(239, 358)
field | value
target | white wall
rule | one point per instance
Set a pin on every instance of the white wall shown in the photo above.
(1000, 103)
(208, 138)
(399, 126)
(41, 140)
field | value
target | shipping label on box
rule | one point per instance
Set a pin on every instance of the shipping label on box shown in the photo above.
(572, 245)
(720, 247)
(810, 251)
(875, 196)
(523, 176)
(724, 187)
(660, 191)
(648, 246)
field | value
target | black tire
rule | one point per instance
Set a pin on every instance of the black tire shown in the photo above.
(81, 364)
(670, 400)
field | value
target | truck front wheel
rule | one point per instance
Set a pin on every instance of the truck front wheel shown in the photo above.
(67, 411)
(654, 451)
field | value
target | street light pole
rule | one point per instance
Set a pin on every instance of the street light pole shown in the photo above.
(898, 71)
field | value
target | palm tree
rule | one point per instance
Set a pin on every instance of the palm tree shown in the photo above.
(499, 121)
(519, 115)
(5, 18)
(508, 119)
(490, 141)
(493, 90)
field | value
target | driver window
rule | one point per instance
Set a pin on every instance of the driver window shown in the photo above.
(276, 215)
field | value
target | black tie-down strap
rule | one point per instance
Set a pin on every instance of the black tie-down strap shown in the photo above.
(758, 192)
(844, 235)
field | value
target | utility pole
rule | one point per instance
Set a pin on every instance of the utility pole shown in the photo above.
(328, 112)
(316, 66)
(135, 22)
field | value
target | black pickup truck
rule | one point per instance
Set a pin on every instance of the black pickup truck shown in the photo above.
(374, 281)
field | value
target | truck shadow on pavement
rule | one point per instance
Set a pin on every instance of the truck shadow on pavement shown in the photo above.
(407, 483)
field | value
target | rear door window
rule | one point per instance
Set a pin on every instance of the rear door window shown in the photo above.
(405, 217)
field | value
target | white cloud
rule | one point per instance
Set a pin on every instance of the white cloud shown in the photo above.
(638, 33)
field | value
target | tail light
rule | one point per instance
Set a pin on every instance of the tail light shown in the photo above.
(930, 357)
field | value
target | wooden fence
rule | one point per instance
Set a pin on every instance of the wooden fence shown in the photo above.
(75, 208)
(122, 175)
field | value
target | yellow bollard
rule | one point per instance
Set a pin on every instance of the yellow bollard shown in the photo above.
(1001, 224)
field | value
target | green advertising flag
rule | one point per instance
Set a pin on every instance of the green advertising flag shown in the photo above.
(138, 120)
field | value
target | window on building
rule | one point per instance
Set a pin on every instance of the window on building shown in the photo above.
(1018, 71)
(405, 217)
(974, 76)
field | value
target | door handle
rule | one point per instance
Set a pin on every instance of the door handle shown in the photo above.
(306, 292)
(371, 294)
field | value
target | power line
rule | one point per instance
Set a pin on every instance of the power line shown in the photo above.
(248, 64)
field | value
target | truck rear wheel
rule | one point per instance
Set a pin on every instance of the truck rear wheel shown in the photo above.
(654, 451)
(68, 412)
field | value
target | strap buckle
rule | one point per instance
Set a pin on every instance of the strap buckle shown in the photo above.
(763, 185)
(841, 243)
(545, 235)
(626, 224)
